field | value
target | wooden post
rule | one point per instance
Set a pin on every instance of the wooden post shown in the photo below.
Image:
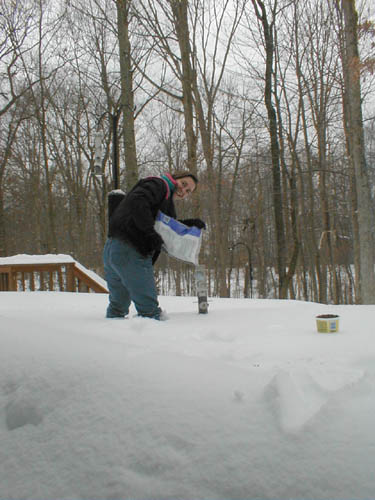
(12, 280)
(51, 280)
(4, 277)
(32, 281)
(41, 281)
(70, 287)
(60, 278)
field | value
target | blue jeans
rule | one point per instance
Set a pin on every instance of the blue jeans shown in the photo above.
(130, 277)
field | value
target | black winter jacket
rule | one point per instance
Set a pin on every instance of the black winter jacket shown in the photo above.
(134, 216)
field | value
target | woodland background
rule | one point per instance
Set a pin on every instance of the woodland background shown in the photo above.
(256, 97)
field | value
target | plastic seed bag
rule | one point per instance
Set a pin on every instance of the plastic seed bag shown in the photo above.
(180, 241)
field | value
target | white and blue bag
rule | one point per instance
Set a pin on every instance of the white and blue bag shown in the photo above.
(180, 241)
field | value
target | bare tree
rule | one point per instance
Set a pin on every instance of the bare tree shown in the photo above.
(352, 84)
(38, 65)
(17, 28)
(268, 33)
(127, 94)
(7, 140)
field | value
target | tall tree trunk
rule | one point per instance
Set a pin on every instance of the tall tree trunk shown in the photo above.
(275, 149)
(6, 153)
(219, 234)
(180, 13)
(3, 242)
(354, 201)
(127, 94)
(357, 153)
(41, 113)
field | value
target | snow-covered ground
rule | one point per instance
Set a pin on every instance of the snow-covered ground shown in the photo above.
(246, 402)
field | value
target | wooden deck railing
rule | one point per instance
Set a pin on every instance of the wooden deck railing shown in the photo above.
(62, 276)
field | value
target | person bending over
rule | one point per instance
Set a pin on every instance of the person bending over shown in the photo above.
(133, 245)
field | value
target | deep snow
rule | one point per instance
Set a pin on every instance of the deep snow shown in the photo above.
(246, 402)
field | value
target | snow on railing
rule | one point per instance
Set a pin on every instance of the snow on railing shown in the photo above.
(51, 272)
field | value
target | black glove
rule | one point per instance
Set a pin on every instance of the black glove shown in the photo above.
(153, 242)
(194, 222)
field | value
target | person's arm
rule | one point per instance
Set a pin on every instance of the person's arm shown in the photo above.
(199, 223)
(143, 201)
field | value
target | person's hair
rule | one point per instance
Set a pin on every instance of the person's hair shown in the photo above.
(182, 173)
